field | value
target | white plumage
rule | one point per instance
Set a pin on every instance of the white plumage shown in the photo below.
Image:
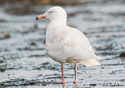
(65, 44)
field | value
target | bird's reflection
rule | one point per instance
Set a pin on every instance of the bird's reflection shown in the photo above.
(63, 86)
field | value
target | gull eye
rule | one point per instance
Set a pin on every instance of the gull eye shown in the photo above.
(51, 11)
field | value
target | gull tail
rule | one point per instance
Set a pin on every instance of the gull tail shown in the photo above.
(90, 62)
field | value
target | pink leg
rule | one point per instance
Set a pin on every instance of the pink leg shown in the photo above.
(75, 68)
(62, 69)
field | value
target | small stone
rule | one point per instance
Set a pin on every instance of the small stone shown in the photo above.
(112, 72)
(3, 20)
(33, 43)
(43, 83)
(44, 41)
(8, 74)
(40, 74)
(4, 35)
(122, 80)
(2, 69)
(122, 54)
(92, 84)
(89, 76)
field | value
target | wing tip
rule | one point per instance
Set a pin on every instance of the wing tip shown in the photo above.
(90, 62)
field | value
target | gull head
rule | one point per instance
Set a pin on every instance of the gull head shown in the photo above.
(55, 13)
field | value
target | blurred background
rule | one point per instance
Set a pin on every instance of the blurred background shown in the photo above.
(23, 59)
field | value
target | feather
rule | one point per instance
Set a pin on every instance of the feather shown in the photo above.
(90, 62)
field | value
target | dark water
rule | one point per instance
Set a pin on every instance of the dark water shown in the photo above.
(23, 59)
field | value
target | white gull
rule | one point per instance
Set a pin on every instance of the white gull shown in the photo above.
(65, 44)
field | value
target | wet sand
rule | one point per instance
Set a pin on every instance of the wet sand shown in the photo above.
(25, 64)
